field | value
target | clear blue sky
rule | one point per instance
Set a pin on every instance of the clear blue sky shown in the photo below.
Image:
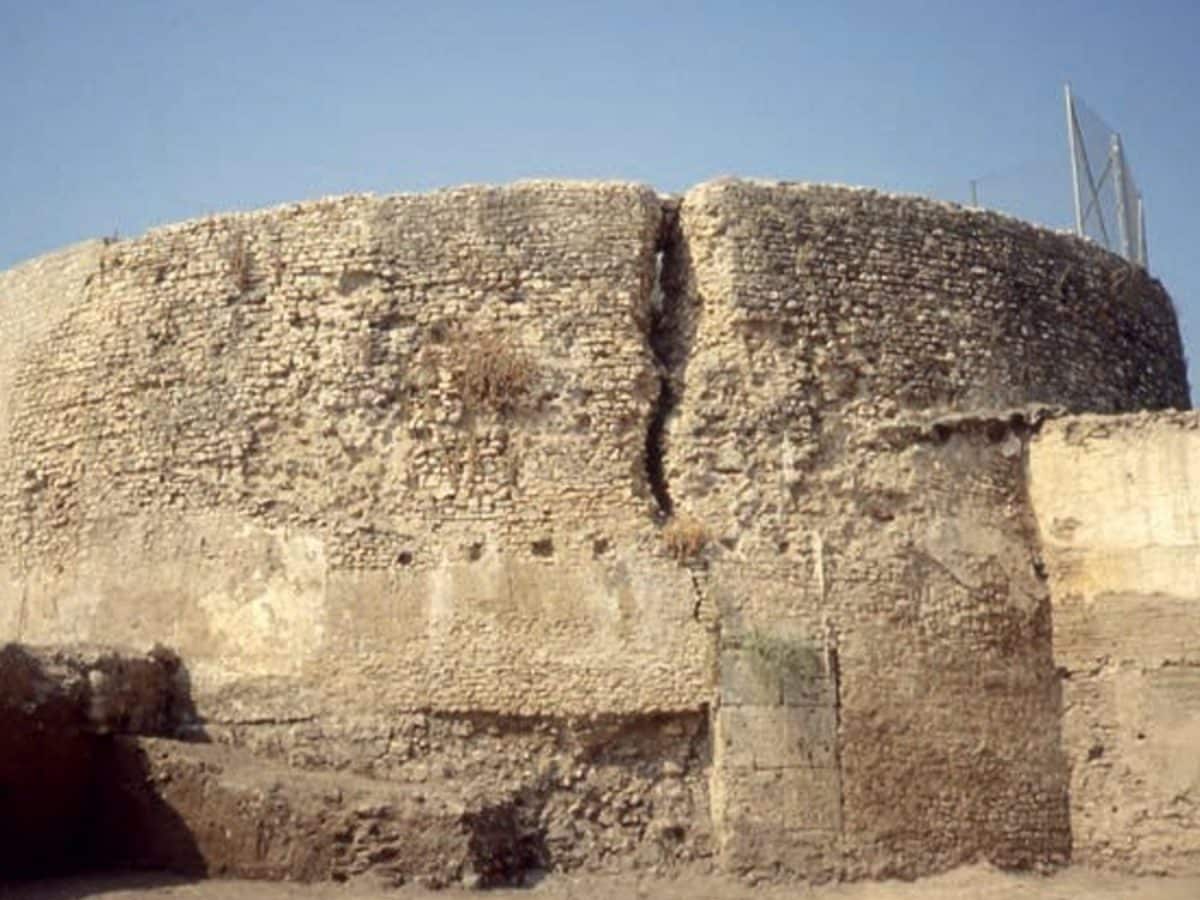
(119, 115)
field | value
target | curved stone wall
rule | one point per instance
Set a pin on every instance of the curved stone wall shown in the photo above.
(405, 478)
(357, 435)
(853, 375)
(876, 305)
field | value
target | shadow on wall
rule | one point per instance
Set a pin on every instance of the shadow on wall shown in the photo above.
(75, 793)
(129, 824)
(45, 769)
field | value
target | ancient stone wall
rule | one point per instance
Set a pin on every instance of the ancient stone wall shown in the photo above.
(1118, 510)
(699, 526)
(375, 469)
(842, 359)
(402, 434)
(33, 298)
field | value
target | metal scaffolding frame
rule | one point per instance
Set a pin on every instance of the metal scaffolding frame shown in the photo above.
(1108, 204)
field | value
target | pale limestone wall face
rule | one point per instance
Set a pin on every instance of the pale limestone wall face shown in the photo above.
(873, 557)
(1118, 507)
(34, 297)
(253, 438)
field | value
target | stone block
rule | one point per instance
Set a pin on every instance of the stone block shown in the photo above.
(812, 855)
(745, 684)
(749, 680)
(799, 688)
(773, 737)
(798, 799)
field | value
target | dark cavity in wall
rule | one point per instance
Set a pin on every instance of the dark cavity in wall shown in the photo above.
(666, 336)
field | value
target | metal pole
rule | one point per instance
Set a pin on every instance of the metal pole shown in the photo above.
(1072, 136)
(1123, 229)
(974, 195)
(1143, 253)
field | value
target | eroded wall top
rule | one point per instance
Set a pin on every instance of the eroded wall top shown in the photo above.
(887, 304)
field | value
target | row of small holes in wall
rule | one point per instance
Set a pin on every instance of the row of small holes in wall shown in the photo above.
(543, 549)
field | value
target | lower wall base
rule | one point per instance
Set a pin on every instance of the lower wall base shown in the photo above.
(1116, 501)
(608, 793)
(1133, 735)
(207, 810)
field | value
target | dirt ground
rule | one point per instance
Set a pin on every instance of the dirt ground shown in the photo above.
(971, 882)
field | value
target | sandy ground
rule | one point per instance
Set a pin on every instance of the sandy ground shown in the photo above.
(972, 882)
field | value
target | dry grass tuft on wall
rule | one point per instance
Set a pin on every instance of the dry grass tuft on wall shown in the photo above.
(685, 537)
(495, 374)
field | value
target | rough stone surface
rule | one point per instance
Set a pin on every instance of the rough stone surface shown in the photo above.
(842, 366)
(290, 443)
(1118, 507)
(34, 297)
(595, 792)
(673, 527)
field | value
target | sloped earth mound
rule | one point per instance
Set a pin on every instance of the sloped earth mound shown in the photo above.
(206, 809)
(91, 779)
(85, 783)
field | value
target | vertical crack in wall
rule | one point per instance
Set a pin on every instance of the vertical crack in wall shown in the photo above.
(655, 465)
(665, 337)
(834, 665)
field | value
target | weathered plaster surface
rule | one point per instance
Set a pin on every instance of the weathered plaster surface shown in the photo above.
(1118, 506)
